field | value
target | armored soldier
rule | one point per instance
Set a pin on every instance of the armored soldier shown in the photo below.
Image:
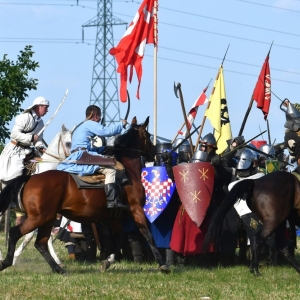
(292, 133)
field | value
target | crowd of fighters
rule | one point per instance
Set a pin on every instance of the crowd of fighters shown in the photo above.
(175, 231)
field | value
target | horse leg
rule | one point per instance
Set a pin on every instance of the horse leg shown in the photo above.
(14, 235)
(27, 239)
(52, 251)
(285, 252)
(140, 220)
(256, 248)
(282, 246)
(41, 244)
(107, 243)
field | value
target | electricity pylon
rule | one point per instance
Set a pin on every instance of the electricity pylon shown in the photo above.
(104, 90)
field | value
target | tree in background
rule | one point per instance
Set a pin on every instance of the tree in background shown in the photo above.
(14, 84)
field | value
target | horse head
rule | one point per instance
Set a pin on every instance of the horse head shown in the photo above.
(64, 145)
(136, 140)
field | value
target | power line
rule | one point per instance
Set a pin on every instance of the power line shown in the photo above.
(271, 6)
(178, 61)
(230, 22)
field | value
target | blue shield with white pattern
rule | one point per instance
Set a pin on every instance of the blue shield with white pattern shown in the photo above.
(159, 189)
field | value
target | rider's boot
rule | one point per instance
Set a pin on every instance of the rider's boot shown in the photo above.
(112, 196)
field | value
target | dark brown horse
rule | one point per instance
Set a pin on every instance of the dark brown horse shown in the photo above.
(274, 199)
(46, 194)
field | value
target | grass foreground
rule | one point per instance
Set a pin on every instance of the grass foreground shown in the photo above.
(32, 278)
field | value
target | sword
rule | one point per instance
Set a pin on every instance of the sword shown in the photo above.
(59, 106)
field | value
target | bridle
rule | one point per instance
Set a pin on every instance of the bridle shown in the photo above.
(60, 144)
(147, 154)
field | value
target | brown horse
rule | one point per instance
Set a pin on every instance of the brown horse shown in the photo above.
(274, 198)
(46, 194)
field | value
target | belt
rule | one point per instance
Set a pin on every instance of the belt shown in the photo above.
(19, 144)
(78, 149)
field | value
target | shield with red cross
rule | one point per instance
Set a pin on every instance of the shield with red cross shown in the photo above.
(159, 189)
(194, 182)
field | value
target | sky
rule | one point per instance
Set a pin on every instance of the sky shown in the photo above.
(193, 39)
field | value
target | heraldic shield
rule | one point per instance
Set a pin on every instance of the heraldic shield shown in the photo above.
(159, 189)
(195, 182)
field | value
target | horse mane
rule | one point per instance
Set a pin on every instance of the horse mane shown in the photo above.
(127, 138)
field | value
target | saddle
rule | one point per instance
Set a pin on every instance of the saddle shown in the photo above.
(99, 177)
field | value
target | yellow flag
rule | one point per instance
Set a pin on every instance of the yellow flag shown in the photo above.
(217, 113)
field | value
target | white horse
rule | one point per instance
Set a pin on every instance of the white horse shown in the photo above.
(57, 151)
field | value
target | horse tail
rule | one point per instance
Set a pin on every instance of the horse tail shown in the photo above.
(10, 192)
(239, 191)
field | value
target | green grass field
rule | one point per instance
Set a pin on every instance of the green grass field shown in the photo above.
(32, 278)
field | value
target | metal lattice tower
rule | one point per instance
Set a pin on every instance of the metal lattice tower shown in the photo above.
(104, 90)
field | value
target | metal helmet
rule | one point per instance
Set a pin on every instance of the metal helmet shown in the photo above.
(111, 140)
(268, 149)
(199, 156)
(246, 159)
(176, 143)
(292, 117)
(253, 148)
(209, 140)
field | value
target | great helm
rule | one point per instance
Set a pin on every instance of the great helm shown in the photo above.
(246, 159)
(292, 117)
(253, 148)
(209, 140)
(268, 149)
(37, 101)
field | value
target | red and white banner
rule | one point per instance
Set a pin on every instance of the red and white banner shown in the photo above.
(131, 48)
(193, 111)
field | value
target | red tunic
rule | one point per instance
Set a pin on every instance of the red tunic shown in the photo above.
(186, 237)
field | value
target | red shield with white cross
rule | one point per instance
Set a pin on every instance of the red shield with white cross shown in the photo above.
(194, 183)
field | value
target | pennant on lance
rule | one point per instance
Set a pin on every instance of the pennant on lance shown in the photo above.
(159, 189)
(194, 184)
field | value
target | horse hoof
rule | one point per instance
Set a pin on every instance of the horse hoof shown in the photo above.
(105, 264)
(1, 265)
(164, 269)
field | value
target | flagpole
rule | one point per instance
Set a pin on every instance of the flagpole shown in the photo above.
(250, 104)
(178, 132)
(155, 74)
(203, 121)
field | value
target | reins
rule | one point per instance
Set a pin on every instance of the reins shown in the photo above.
(65, 152)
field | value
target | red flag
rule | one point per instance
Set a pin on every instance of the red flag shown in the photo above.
(262, 91)
(193, 111)
(131, 48)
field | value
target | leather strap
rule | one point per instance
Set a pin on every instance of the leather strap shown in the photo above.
(78, 149)
(19, 144)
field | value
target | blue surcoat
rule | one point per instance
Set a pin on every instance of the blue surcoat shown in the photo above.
(80, 139)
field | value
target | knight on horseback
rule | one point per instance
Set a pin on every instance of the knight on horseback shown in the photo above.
(91, 127)
(25, 143)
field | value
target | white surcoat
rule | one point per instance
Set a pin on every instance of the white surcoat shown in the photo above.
(12, 156)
